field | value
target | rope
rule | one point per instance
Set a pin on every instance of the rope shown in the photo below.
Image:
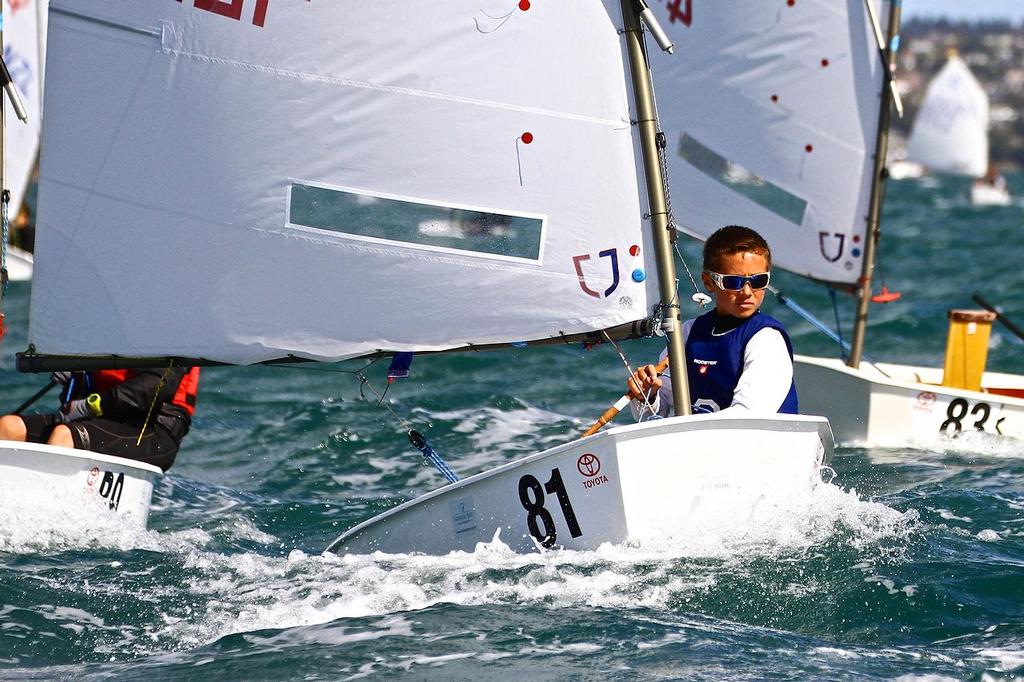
(622, 356)
(363, 381)
(4, 209)
(415, 437)
(844, 347)
(421, 444)
(699, 297)
(839, 330)
(156, 394)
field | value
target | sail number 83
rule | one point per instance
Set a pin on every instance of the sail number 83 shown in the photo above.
(538, 518)
(957, 412)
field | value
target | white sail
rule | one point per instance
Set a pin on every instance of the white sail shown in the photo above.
(771, 112)
(24, 27)
(258, 180)
(950, 132)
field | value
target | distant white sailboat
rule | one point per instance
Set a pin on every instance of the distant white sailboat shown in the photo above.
(950, 133)
(902, 168)
(287, 170)
(990, 190)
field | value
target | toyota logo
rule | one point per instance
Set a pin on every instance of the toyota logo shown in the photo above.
(588, 465)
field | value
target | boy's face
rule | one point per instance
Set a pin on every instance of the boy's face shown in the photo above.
(746, 301)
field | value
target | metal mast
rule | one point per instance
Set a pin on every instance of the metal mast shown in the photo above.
(648, 127)
(877, 184)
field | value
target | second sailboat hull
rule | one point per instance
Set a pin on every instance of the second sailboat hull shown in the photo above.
(897, 405)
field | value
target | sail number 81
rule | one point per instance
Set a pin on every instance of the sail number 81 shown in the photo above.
(538, 518)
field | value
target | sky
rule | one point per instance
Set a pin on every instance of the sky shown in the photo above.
(966, 9)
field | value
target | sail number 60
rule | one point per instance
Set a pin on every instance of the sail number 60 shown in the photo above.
(531, 495)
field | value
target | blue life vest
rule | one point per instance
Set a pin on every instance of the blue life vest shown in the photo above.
(715, 361)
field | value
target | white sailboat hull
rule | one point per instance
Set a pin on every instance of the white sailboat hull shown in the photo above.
(905, 170)
(894, 405)
(19, 264)
(652, 480)
(983, 194)
(45, 477)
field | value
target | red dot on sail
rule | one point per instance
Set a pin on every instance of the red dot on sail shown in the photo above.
(523, 5)
(809, 148)
(634, 250)
(526, 137)
(824, 63)
(775, 98)
(790, 2)
(856, 239)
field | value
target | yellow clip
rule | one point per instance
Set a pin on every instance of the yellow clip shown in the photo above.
(93, 402)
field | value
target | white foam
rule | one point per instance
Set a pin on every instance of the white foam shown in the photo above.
(970, 442)
(989, 535)
(79, 523)
(250, 592)
(1007, 660)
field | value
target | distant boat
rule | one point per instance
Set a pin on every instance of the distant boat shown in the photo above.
(24, 36)
(906, 170)
(19, 264)
(900, 168)
(990, 190)
(950, 133)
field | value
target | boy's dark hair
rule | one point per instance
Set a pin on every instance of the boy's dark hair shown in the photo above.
(733, 239)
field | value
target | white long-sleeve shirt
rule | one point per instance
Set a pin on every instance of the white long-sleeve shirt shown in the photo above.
(763, 385)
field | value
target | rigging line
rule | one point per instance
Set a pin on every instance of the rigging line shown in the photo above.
(822, 327)
(5, 200)
(156, 394)
(843, 347)
(363, 381)
(787, 301)
(693, 282)
(622, 356)
(415, 437)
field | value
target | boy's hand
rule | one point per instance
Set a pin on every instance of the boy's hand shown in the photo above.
(61, 378)
(73, 411)
(644, 382)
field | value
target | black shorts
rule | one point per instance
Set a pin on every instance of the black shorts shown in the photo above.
(109, 437)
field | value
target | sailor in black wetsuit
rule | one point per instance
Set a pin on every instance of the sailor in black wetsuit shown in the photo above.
(136, 414)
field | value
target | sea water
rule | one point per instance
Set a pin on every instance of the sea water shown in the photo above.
(908, 564)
